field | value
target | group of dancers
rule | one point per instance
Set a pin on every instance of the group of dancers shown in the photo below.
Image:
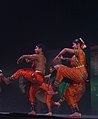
(71, 81)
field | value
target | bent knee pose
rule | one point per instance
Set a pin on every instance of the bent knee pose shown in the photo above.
(78, 73)
(35, 75)
(49, 88)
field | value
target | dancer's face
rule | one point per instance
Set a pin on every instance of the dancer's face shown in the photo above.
(37, 50)
(75, 46)
(51, 69)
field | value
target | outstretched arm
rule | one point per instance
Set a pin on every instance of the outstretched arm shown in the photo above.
(65, 50)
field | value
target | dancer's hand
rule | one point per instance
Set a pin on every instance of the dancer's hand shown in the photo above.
(63, 58)
(56, 59)
(19, 61)
(57, 103)
(51, 92)
(27, 60)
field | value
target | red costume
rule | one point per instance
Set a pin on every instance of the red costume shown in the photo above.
(36, 83)
(78, 74)
(36, 80)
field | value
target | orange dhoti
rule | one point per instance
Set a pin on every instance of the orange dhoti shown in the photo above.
(25, 72)
(47, 87)
(36, 79)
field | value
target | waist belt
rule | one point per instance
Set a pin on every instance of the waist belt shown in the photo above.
(79, 66)
(39, 72)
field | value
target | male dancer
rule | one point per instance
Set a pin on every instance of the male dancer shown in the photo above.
(35, 75)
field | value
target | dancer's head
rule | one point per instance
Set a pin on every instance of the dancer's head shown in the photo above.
(52, 68)
(78, 43)
(39, 48)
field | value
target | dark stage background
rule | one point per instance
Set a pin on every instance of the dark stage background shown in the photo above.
(55, 23)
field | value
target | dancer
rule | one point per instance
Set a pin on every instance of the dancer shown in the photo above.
(48, 87)
(78, 74)
(35, 75)
(3, 78)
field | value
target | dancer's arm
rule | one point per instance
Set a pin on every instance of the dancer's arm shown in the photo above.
(29, 57)
(65, 50)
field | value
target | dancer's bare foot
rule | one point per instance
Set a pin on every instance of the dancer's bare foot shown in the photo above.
(56, 103)
(4, 79)
(75, 115)
(49, 114)
(32, 113)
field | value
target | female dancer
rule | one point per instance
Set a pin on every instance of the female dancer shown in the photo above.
(78, 74)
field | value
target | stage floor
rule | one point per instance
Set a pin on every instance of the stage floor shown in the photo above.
(8, 115)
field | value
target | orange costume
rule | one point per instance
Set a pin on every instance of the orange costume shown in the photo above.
(47, 87)
(36, 83)
(78, 74)
(35, 75)
(36, 80)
